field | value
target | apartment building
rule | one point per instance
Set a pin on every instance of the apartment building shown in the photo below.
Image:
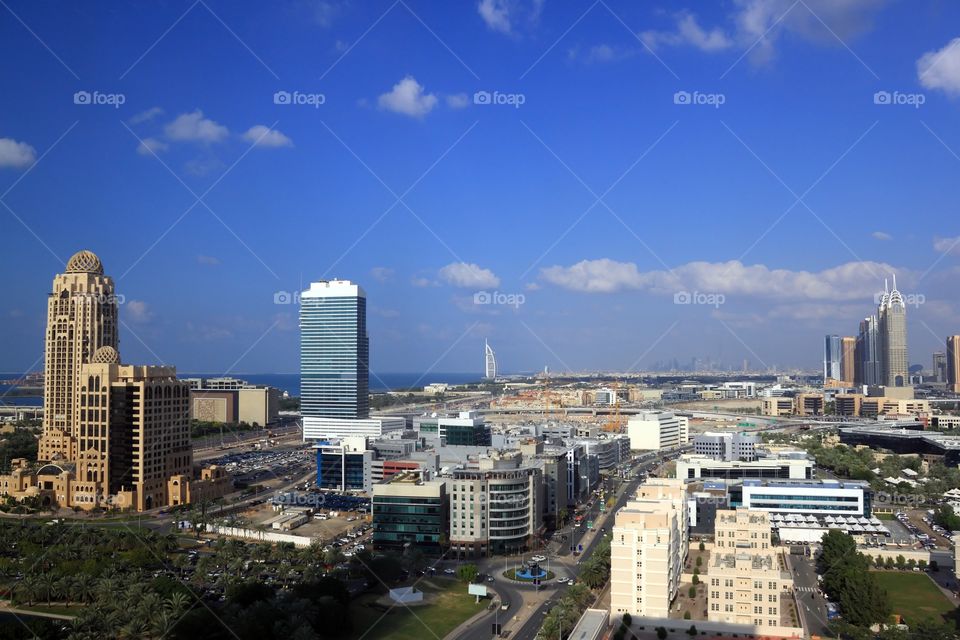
(745, 582)
(655, 430)
(648, 548)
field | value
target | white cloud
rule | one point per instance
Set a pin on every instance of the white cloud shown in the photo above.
(839, 283)
(407, 97)
(947, 245)
(146, 116)
(758, 24)
(420, 281)
(138, 311)
(193, 127)
(382, 274)
(16, 154)
(263, 136)
(688, 32)
(496, 13)
(881, 235)
(324, 12)
(463, 274)
(208, 260)
(151, 146)
(941, 69)
(458, 101)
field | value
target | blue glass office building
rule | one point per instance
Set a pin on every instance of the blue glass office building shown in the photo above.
(334, 351)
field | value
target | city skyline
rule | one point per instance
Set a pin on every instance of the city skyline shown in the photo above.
(447, 177)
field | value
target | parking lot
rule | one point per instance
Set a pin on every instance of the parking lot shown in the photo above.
(271, 464)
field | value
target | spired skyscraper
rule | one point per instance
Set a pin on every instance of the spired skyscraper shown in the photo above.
(335, 363)
(892, 330)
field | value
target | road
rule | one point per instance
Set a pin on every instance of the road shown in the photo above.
(813, 610)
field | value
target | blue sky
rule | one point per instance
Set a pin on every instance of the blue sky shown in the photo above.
(628, 153)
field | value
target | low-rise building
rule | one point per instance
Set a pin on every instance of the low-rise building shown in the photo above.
(795, 465)
(465, 429)
(819, 498)
(656, 430)
(345, 465)
(726, 445)
(808, 404)
(408, 512)
(776, 406)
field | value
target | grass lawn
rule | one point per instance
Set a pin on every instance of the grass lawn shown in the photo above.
(914, 595)
(450, 607)
(884, 516)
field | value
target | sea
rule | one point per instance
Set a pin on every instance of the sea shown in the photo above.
(289, 382)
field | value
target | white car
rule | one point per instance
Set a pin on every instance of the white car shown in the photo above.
(449, 572)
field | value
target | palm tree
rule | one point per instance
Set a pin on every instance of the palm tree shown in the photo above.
(177, 603)
(27, 590)
(83, 587)
(47, 585)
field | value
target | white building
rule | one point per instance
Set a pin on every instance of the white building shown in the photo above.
(372, 427)
(489, 362)
(811, 497)
(655, 430)
(647, 551)
(798, 466)
(726, 445)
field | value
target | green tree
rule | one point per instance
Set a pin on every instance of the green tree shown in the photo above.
(692, 592)
(692, 631)
(901, 562)
(662, 633)
(467, 572)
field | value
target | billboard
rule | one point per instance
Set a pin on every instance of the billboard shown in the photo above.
(477, 590)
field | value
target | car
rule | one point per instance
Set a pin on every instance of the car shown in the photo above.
(449, 572)
(489, 578)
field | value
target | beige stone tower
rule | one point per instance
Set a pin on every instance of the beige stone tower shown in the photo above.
(81, 318)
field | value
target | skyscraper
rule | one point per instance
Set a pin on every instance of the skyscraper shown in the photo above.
(867, 353)
(489, 361)
(953, 364)
(831, 358)
(940, 366)
(334, 351)
(847, 359)
(335, 364)
(81, 318)
(892, 318)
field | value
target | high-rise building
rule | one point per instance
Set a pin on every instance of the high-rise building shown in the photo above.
(940, 366)
(648, 548)
(489, 362)
(335, 364)
(848, 360)
(114, 435)
(867, 353)
(892, 317)
(953, 364)
(334, 351)
(831, 358)
(81, 318)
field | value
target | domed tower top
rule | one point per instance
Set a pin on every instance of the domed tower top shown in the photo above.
(85, 262)
(106, 355)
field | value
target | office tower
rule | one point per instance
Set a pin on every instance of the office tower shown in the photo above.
(334, 351)
(745, 583)
(953, 364)
(940, 366)
(892, 317)
(867, 353)
(81, 318)
(848, 359)
(648, 549)
(132, 433)
(831, 358)
(489, 361)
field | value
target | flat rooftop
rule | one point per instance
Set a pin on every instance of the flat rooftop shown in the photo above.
(806, 484)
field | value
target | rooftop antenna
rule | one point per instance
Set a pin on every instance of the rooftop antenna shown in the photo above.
(894, 282)
(885, 288)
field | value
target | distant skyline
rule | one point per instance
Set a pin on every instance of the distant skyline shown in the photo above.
(589, 187)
